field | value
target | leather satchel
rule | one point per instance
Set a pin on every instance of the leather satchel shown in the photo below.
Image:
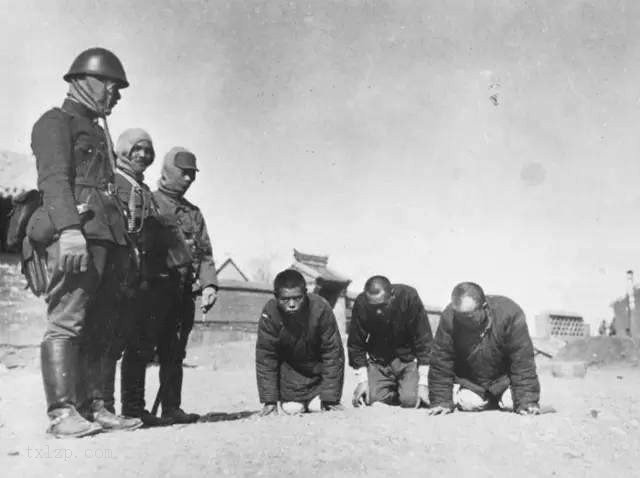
(24, 205)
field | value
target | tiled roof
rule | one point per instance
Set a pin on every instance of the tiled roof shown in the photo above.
(228, 284)
(229, 263)
(315, 267)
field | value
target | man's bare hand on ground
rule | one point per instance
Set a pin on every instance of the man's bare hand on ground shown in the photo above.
(530, 410)
(439, 410)
(331, 407)
(361, 395)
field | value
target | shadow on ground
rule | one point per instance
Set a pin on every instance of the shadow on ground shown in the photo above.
(226, 417)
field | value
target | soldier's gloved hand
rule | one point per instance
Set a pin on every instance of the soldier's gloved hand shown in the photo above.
(423, 395)
(331, 407)
(361, 395)
(439, 410)
(209, 297)
(269, 409)
(73, 256)
(530, 410)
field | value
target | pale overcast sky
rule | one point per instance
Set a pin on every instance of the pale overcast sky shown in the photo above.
(366, 130)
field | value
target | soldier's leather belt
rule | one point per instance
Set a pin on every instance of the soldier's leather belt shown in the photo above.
(101, 186)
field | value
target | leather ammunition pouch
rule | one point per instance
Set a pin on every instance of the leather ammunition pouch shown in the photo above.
(40, 228)
(24, 205)
(34, 266)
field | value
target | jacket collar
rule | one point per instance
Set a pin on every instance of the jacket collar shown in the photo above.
(76, 109)
(169, 199)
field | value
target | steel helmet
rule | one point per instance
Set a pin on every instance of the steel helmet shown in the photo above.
(98, 62)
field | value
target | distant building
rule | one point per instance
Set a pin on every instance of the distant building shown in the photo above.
(626, 316)
(622, 315)
(323, 281)
(239, 304)
(230, 271)
(561, 324)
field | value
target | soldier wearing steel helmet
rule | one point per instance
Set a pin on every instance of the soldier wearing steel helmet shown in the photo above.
(82, 229)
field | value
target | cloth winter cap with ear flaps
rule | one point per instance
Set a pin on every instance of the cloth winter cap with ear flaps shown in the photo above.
(172, 178)
(126, 141)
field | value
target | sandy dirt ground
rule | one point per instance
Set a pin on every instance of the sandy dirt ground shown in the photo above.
(595, 433)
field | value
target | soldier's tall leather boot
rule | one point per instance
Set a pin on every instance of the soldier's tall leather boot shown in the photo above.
(59, 364)
(171, 384)
(97, 370)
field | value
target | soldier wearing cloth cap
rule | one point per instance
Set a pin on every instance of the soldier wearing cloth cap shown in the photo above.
(135, 153)
(191, 271)
(83, 232)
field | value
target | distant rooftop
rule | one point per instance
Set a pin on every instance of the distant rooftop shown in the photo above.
(315, 267)
(229, 269)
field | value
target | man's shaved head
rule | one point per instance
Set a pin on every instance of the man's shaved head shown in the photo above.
(378, 290)
(289, 279)
(467, 297)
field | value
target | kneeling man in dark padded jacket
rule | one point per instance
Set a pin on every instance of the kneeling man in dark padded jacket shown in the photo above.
(389, 345)
(299, 352)
(482, 356)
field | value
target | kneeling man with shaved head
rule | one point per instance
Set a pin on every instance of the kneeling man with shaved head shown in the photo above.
(389, 343)
(299, 352)
(482, 356)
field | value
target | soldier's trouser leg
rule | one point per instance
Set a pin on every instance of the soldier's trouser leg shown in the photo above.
(132, 382)
(68, 297)
(168, 342)
(101, 346)
(407, 375)
(172, 351)
(138, 352)
(187, 319)
(383, 384)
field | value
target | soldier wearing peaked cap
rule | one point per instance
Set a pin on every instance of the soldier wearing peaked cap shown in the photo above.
(82, 230)
(190, 272)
